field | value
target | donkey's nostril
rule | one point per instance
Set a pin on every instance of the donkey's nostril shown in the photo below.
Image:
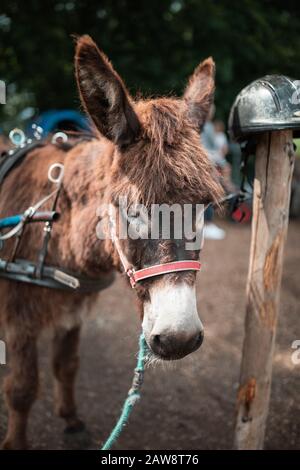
(199, 339)
(158, 343)
(155, 340)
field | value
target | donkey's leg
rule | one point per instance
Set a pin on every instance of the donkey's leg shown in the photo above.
(65, 363)
(20, 386)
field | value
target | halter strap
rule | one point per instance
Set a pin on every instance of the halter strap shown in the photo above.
(158, 269)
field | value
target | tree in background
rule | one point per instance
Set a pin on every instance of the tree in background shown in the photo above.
(154, 44)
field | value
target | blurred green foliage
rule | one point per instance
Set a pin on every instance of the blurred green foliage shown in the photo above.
(154, 45)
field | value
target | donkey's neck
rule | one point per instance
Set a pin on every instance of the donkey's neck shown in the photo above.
(86, 179)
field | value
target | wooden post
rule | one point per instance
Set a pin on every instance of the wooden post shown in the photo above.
(273, 172)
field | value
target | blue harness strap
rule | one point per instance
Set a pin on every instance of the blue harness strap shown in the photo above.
(10, 221)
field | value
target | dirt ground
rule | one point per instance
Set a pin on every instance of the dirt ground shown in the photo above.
(190, 404)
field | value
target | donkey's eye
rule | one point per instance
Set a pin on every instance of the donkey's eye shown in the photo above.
(135, 219)
(137, 223)
(137, 215)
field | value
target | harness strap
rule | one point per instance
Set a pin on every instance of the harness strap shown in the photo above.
(53, 277)
(47, 235)
(28, 214)
(12, 159)
(43, 216)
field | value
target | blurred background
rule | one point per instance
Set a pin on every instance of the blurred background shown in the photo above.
(155, 45)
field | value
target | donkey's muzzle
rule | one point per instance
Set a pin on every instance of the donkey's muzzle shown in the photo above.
(175, 346)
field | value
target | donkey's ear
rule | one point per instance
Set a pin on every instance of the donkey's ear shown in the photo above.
(199, 93)
(104, 95)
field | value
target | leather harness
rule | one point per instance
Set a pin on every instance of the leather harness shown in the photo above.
(39, 273)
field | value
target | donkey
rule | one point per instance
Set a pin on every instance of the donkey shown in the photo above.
(148, 150)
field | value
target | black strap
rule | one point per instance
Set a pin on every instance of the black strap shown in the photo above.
(53, 277)
(10, 161)
(47, 235)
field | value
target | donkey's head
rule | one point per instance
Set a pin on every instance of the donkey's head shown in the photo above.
(156, 158)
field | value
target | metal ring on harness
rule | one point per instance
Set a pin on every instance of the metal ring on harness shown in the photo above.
(59, 136)
(57, 179)
(17, 137)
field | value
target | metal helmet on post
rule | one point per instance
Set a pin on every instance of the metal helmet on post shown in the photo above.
(267, 104)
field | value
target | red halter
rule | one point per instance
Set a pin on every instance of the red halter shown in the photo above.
(151, 271)
(156, 270)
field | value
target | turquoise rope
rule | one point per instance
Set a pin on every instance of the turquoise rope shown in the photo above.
(133, 395)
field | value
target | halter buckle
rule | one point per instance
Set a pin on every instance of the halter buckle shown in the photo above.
(131, 274)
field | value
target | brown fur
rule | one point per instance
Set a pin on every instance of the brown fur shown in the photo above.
(148, 150)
